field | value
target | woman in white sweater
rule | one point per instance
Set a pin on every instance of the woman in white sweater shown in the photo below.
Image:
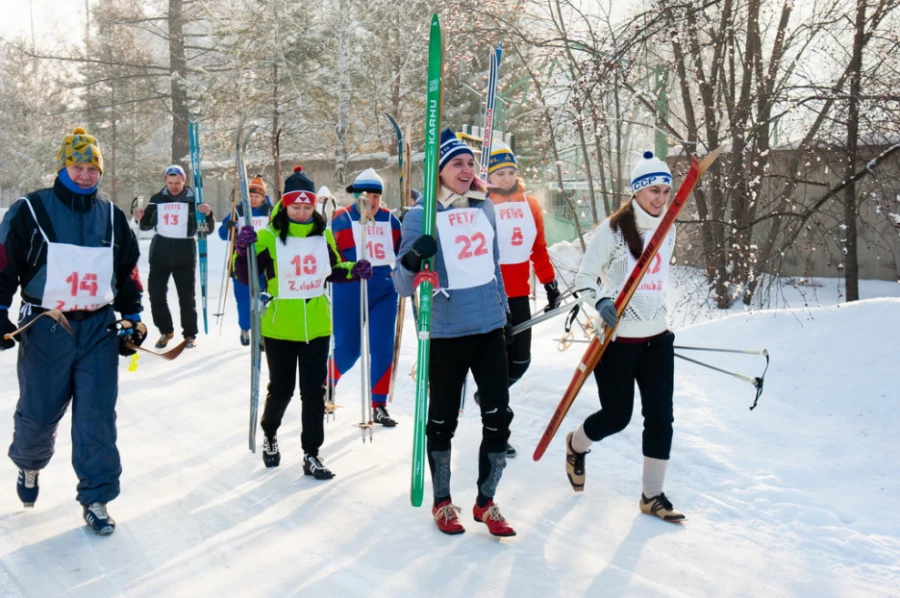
(642, 350)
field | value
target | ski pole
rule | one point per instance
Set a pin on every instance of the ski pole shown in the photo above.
(547, 315)
(756, 382)
(366, 420)
(763, 352)
(587, 329)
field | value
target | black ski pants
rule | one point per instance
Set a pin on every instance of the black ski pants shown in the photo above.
(450, 361)
(518, 352)
(285, 358)
(650, 363)
(176, 258)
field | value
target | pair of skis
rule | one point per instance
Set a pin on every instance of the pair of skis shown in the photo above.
(404, 162)
(194, 140)
(240, 148)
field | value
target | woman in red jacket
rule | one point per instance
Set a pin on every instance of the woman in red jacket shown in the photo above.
(520, 235)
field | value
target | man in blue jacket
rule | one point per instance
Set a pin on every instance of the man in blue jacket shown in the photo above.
(70, 250)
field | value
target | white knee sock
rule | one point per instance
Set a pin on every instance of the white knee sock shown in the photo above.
(580, 442)
(654, 476)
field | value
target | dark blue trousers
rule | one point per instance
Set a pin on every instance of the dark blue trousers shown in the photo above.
(56, 368)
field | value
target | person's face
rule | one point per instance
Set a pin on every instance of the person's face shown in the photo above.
(458, 173)
(174, 183)
(505, 178)
(257, 199)
(300, 212)
(374, 201)
(84, 175)
(653, 199)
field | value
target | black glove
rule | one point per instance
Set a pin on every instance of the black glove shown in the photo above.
(5, 328)
(230, 224)
(423, 248)
(552, 290)
(507, 329)
(130, 333)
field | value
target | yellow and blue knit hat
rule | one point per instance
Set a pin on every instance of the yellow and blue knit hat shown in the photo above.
(502, 156)
(79, 148)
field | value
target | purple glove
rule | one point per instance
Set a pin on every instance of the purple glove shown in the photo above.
(362, 270)
(244, 239)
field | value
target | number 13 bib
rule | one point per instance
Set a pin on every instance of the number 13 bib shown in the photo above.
(467, 242)
(171, 220)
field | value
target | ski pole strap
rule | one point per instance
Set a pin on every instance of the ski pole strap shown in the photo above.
(570, 319)
(759, 382)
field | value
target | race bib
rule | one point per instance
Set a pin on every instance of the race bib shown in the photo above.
(260, 222)
(379, 245)
(467, 243)
(171, 220)
(303, 266)
(654, 280)
(516, 231)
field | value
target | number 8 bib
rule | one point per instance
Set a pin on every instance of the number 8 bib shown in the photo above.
(467, 243)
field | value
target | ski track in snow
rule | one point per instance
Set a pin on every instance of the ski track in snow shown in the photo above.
(792, 499)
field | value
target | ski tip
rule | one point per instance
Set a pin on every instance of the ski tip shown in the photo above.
(435, 20)
(711, 157)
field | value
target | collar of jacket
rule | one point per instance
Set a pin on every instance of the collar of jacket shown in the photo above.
(187, 194)
(448, 198)
(73, 201)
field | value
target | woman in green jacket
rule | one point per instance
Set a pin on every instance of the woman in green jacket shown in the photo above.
(297, 254)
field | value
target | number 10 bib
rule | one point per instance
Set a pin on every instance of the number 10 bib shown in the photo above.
(303, 266)
(467, 242)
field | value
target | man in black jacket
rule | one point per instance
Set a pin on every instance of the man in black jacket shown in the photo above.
(173, 252)
(72, 251)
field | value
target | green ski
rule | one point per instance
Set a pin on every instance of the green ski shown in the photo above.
(432, 143)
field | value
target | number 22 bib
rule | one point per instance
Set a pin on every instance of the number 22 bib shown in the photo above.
(467, 243)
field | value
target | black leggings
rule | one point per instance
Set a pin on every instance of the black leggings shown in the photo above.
(450, 361)
(283, 358)
(651, 364)
(518, 352)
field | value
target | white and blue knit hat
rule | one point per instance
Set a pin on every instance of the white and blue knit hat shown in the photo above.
(367, 180)
(650, 170)
(502, 156)
(451, 146)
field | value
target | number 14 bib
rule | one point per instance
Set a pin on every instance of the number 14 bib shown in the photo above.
(467, 242)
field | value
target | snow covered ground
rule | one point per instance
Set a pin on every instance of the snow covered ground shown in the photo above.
(796, 498)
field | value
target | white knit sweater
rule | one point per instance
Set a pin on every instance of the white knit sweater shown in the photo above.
(606, 267)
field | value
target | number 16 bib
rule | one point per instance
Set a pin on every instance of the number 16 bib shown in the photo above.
(467, 242)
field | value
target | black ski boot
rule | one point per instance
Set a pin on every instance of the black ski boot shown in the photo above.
(313, 466)
(245, 338)
(27, 487)
(270, 453)
(382, 417)
(96, 516)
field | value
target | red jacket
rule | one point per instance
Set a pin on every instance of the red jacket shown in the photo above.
(516, 277)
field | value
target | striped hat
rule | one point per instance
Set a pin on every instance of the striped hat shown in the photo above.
(298, 189)
(257, 185)
(502, 156)
(451, 146)
(175, 170)
(650, 170)
(367, 180)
